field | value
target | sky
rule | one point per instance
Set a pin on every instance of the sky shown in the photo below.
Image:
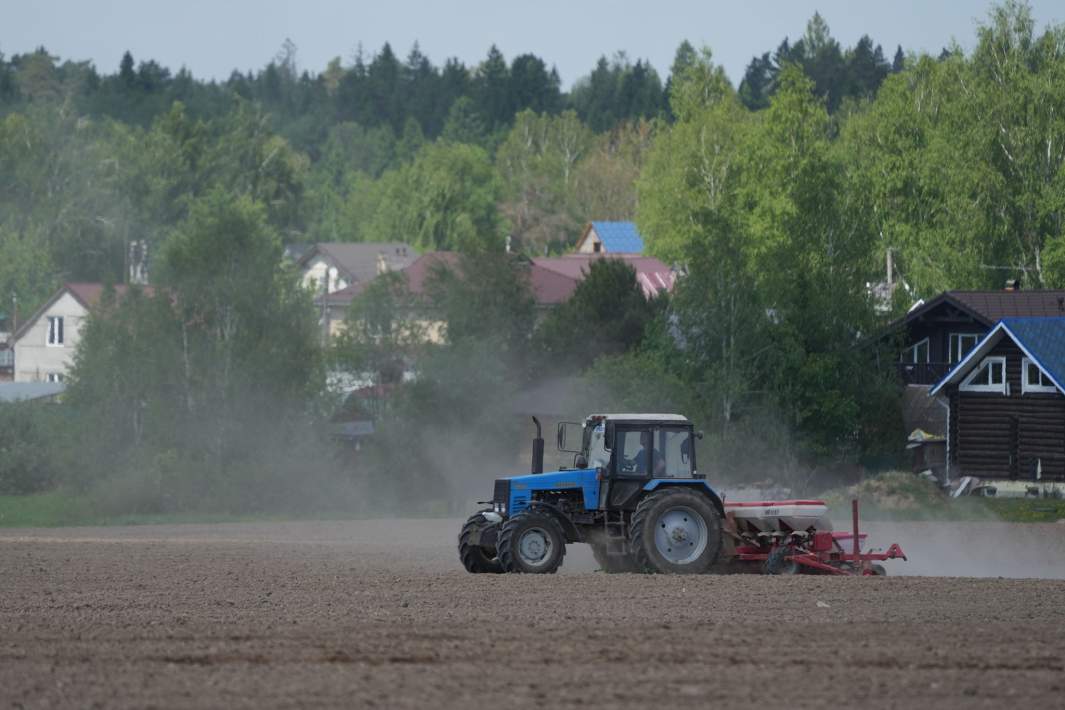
(213, 37)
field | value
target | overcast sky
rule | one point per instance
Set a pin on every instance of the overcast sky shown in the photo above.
(212, 37)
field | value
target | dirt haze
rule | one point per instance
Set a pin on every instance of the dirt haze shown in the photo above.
(379, 614)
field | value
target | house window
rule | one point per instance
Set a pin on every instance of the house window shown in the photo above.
(961, 344)
(55, 331)
(916, 353)
(55, 376)
(990, 376)
(1033, 379)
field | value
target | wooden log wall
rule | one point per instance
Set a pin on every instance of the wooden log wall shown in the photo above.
(1004, 436)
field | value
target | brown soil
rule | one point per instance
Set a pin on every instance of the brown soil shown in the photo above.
(379, 614)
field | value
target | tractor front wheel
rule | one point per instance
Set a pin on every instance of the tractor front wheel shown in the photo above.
(675, 531)
(532, 543)
(475, 557)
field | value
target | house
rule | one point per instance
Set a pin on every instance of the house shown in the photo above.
(45, 343)
(1005, 405)
(610, 238)
(552, 280)
(935, 336)
(333, 266)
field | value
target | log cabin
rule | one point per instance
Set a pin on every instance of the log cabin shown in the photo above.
(1005, 403)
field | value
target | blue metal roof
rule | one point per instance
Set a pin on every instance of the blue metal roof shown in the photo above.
(619, 237)
(1041, 338)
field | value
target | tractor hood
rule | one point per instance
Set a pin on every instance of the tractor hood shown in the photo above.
(512, 495)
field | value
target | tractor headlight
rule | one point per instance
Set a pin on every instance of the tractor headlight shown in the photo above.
(500, 508)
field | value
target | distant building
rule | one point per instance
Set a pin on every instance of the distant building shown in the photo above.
(1005, 405)
(333, 266)
(610, 238)
(45, 343)
(552, 280)
(936, 335)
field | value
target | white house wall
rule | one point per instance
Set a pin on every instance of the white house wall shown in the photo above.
(588, 245)
(316, 271)
(35, 359)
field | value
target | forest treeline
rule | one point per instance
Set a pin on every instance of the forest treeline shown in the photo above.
(778, 199)
(93, 160)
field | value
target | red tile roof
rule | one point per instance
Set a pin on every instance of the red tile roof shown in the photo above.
(552, 279)
(653, 275)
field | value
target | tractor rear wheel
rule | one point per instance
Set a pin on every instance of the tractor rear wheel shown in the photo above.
(675, 531)
(476, 558)
(532, 543)
(613, 564)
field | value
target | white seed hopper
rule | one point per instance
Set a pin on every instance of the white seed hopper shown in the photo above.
(781, 515)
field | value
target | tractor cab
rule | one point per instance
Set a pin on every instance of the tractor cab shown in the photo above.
(631, 450)
(639, 445)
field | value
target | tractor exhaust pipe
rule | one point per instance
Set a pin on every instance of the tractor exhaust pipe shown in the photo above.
(538, 449)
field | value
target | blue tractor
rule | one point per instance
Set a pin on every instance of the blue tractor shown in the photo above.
(633, 494)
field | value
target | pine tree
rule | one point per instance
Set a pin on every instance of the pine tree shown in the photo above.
(125, 70)
(757, 84)
(491, 89)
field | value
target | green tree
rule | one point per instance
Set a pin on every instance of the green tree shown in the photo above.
(537, 162)
(446, 199)
(486, 297)
(606, 315)
(383, 330)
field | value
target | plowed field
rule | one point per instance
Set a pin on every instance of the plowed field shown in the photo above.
(379, 614)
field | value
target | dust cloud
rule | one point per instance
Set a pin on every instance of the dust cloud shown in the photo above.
(972, 549)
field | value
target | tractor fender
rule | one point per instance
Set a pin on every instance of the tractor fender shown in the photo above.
(571, 531)
(701, 485)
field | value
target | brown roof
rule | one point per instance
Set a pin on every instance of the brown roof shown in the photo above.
(996, 305)
(87, 294)
(359, 259)
(989, 307)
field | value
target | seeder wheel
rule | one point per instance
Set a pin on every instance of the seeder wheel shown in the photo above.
(778, 562)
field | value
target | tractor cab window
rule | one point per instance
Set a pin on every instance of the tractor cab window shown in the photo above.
(598, 456)
(675, 448)
(635, 453)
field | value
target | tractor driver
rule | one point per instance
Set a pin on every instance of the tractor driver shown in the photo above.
(650, 454)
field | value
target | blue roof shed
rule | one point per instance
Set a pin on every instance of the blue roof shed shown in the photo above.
(611, 238)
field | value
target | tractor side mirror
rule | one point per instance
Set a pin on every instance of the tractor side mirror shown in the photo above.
(562, 439)
(699, 435)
